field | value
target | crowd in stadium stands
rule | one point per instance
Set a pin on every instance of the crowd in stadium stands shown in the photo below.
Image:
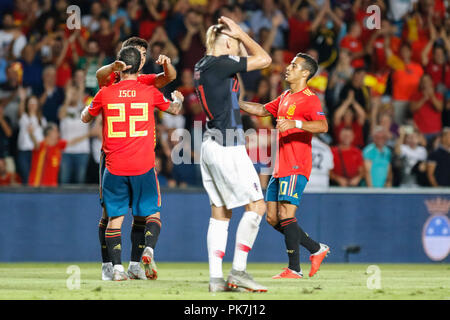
(385, 91)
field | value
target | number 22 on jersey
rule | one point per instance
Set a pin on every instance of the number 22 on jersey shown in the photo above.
(122, 118)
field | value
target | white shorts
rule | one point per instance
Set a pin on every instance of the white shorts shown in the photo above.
(228, 175)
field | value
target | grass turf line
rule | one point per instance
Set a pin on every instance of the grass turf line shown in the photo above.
(189, 281)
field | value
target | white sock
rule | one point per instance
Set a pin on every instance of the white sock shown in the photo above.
(106, 264)
(217, 242)
(245, 237)
(119, 267)
(133, 263)
(151, 251)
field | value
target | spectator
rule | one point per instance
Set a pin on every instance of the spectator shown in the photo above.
(411, 153)
(192, 43)
(353, 43)
(45, 172)
(7, 178)
(427, 106)
(12, 41)
(297, 14)
(405, 79)
(31, 121)
(9, 99)
(339, 77)
(348, 168)
(32, 67)
(6, 133)
(263, 19)
(50, 96)
(92, 21)
(353, 118)
(107, 36)
(322, 164)
(76, 156)
(438, 168)
(90, 63)
(377, 158)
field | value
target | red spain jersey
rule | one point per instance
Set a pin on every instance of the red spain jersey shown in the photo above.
(129, 138)
(148, 79)
(294, 146)
(45, 164)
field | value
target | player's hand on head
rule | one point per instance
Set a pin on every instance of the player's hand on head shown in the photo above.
(285, 124)
(234, 30)
(120, 66)
(162, 59)
(177, 95)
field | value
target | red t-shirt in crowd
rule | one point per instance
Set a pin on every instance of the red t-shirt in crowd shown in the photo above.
(354, 45)
(439, 73)
(128, 125)
(299, 35)
(9, 178)
(427, 118)
(45, 164)
(347, 162)
(358, 140)
(294, 146)
(406, 82)
(380, 53)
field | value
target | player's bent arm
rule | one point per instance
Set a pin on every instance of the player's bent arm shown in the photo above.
(256, 109)
(104, 72)
(169, 74)
(86, 117)
(176, 104)
(258, 57)
(315, 126)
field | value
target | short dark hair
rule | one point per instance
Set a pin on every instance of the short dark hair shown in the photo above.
(50, 126)
(309, 64)
(132, 57)
(135, 42)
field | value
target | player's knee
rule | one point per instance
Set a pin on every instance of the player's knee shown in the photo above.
(272, 220)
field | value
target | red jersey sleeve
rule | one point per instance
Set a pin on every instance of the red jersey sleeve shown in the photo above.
(160, 101)
(272, 106)
(62, 144)
(96, 105)
(147, 79)
(316, 112)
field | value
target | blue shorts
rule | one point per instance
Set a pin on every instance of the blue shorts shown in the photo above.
(289, 189)
(140, 193)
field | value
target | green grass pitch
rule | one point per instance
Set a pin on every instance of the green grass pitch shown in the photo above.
(189, 281)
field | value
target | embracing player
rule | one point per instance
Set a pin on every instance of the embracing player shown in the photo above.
(228, 174)
(128, 143)
(106, 76)
(299, 115)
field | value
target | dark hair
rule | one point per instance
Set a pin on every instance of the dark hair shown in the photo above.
(132, 57)
(50, 126)
(135, 42)
(309, 64)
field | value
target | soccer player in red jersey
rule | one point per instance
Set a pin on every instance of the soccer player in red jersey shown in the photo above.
(128, 143)
(106, 76)
(299, 115)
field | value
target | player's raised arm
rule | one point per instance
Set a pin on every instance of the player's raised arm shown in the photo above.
(104, 73)
(253, 108)
(258, 58)
(176, 104)
(164, 78)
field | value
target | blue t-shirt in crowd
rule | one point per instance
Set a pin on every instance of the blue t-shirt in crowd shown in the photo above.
(380, 163)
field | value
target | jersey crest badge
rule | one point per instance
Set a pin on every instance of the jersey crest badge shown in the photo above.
(291, 110)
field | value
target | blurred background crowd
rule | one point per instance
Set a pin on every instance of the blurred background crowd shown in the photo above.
(386, 91)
